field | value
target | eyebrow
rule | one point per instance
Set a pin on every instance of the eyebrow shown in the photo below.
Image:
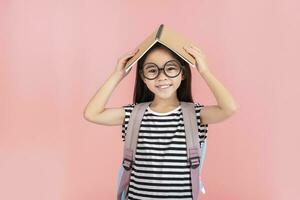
(149, 66)
(156, 64)
(149, 63)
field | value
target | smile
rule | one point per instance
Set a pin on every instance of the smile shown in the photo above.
(163, 86)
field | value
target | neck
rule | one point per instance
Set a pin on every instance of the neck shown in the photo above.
(163, 103)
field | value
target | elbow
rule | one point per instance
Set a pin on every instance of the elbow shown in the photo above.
(232, 110)
(87, 116)
(235, 108)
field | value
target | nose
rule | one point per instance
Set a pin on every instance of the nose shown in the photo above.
(161, 74)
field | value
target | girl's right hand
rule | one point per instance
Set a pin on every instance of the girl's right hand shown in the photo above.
(120, 69)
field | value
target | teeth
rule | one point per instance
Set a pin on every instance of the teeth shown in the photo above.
(163, 86)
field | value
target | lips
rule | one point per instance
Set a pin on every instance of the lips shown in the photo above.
(163, 86)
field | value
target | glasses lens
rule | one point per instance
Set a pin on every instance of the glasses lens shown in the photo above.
(150, 71)
(172, 68)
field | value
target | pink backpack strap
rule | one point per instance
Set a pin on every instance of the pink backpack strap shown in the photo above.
(192, 141)
(130, 145)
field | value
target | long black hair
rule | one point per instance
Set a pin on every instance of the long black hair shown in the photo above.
(143, 94)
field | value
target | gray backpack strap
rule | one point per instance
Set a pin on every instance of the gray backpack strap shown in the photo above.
(192, 141)
(202, 158)
(130, 145)
(133, 132)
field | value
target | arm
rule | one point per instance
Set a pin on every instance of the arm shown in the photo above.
(95, 111)
(226, 104)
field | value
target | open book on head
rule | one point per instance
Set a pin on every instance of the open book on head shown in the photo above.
(169, 38)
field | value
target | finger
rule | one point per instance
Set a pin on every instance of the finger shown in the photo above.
(125, 60)
(198, 51)
(194, 54)
(196, 48)
(129, 70)
(128, 55)
(136, 50)
(131, 53)
(192, 49)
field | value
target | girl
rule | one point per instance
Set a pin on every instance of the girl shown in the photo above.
(161, 169)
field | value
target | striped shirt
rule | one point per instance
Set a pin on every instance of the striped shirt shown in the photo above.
(161, 169)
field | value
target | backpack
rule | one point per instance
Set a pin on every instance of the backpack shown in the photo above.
(195, 151)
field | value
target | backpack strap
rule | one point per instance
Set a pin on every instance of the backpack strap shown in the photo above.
(130, 145)
(192, 141)
(202, 158)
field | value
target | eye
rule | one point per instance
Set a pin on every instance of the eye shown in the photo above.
(170, 68)
(149, 67)
(152, 70)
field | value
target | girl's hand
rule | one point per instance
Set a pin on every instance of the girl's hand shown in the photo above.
(120, 69)
(201, 63)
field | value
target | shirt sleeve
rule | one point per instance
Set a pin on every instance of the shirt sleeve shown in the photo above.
(128, 109)
(202, 128)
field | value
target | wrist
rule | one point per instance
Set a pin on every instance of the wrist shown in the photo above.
(203, 72)
(117, 75)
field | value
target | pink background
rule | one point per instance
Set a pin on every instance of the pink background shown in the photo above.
(54, 55)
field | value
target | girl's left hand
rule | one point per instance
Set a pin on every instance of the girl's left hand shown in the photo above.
(201, 63)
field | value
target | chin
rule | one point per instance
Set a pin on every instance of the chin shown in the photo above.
(166, 95)
(163, 94)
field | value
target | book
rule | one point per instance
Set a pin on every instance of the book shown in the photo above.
(170, 38)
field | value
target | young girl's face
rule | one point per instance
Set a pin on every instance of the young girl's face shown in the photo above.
(160, 57)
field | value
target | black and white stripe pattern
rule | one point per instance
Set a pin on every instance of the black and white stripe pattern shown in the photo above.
(161, 170)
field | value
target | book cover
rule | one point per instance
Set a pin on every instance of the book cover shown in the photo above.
(170, 38)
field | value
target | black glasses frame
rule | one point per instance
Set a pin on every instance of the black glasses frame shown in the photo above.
(162, 69)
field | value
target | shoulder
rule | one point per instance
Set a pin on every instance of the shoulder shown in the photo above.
(128, 109)
(129, 106)
(198, 104)
(198, 108)
(202, 127)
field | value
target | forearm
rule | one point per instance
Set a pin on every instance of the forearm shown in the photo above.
(222, 95)
(99, 100)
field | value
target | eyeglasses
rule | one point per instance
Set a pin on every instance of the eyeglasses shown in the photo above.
(151, 71)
